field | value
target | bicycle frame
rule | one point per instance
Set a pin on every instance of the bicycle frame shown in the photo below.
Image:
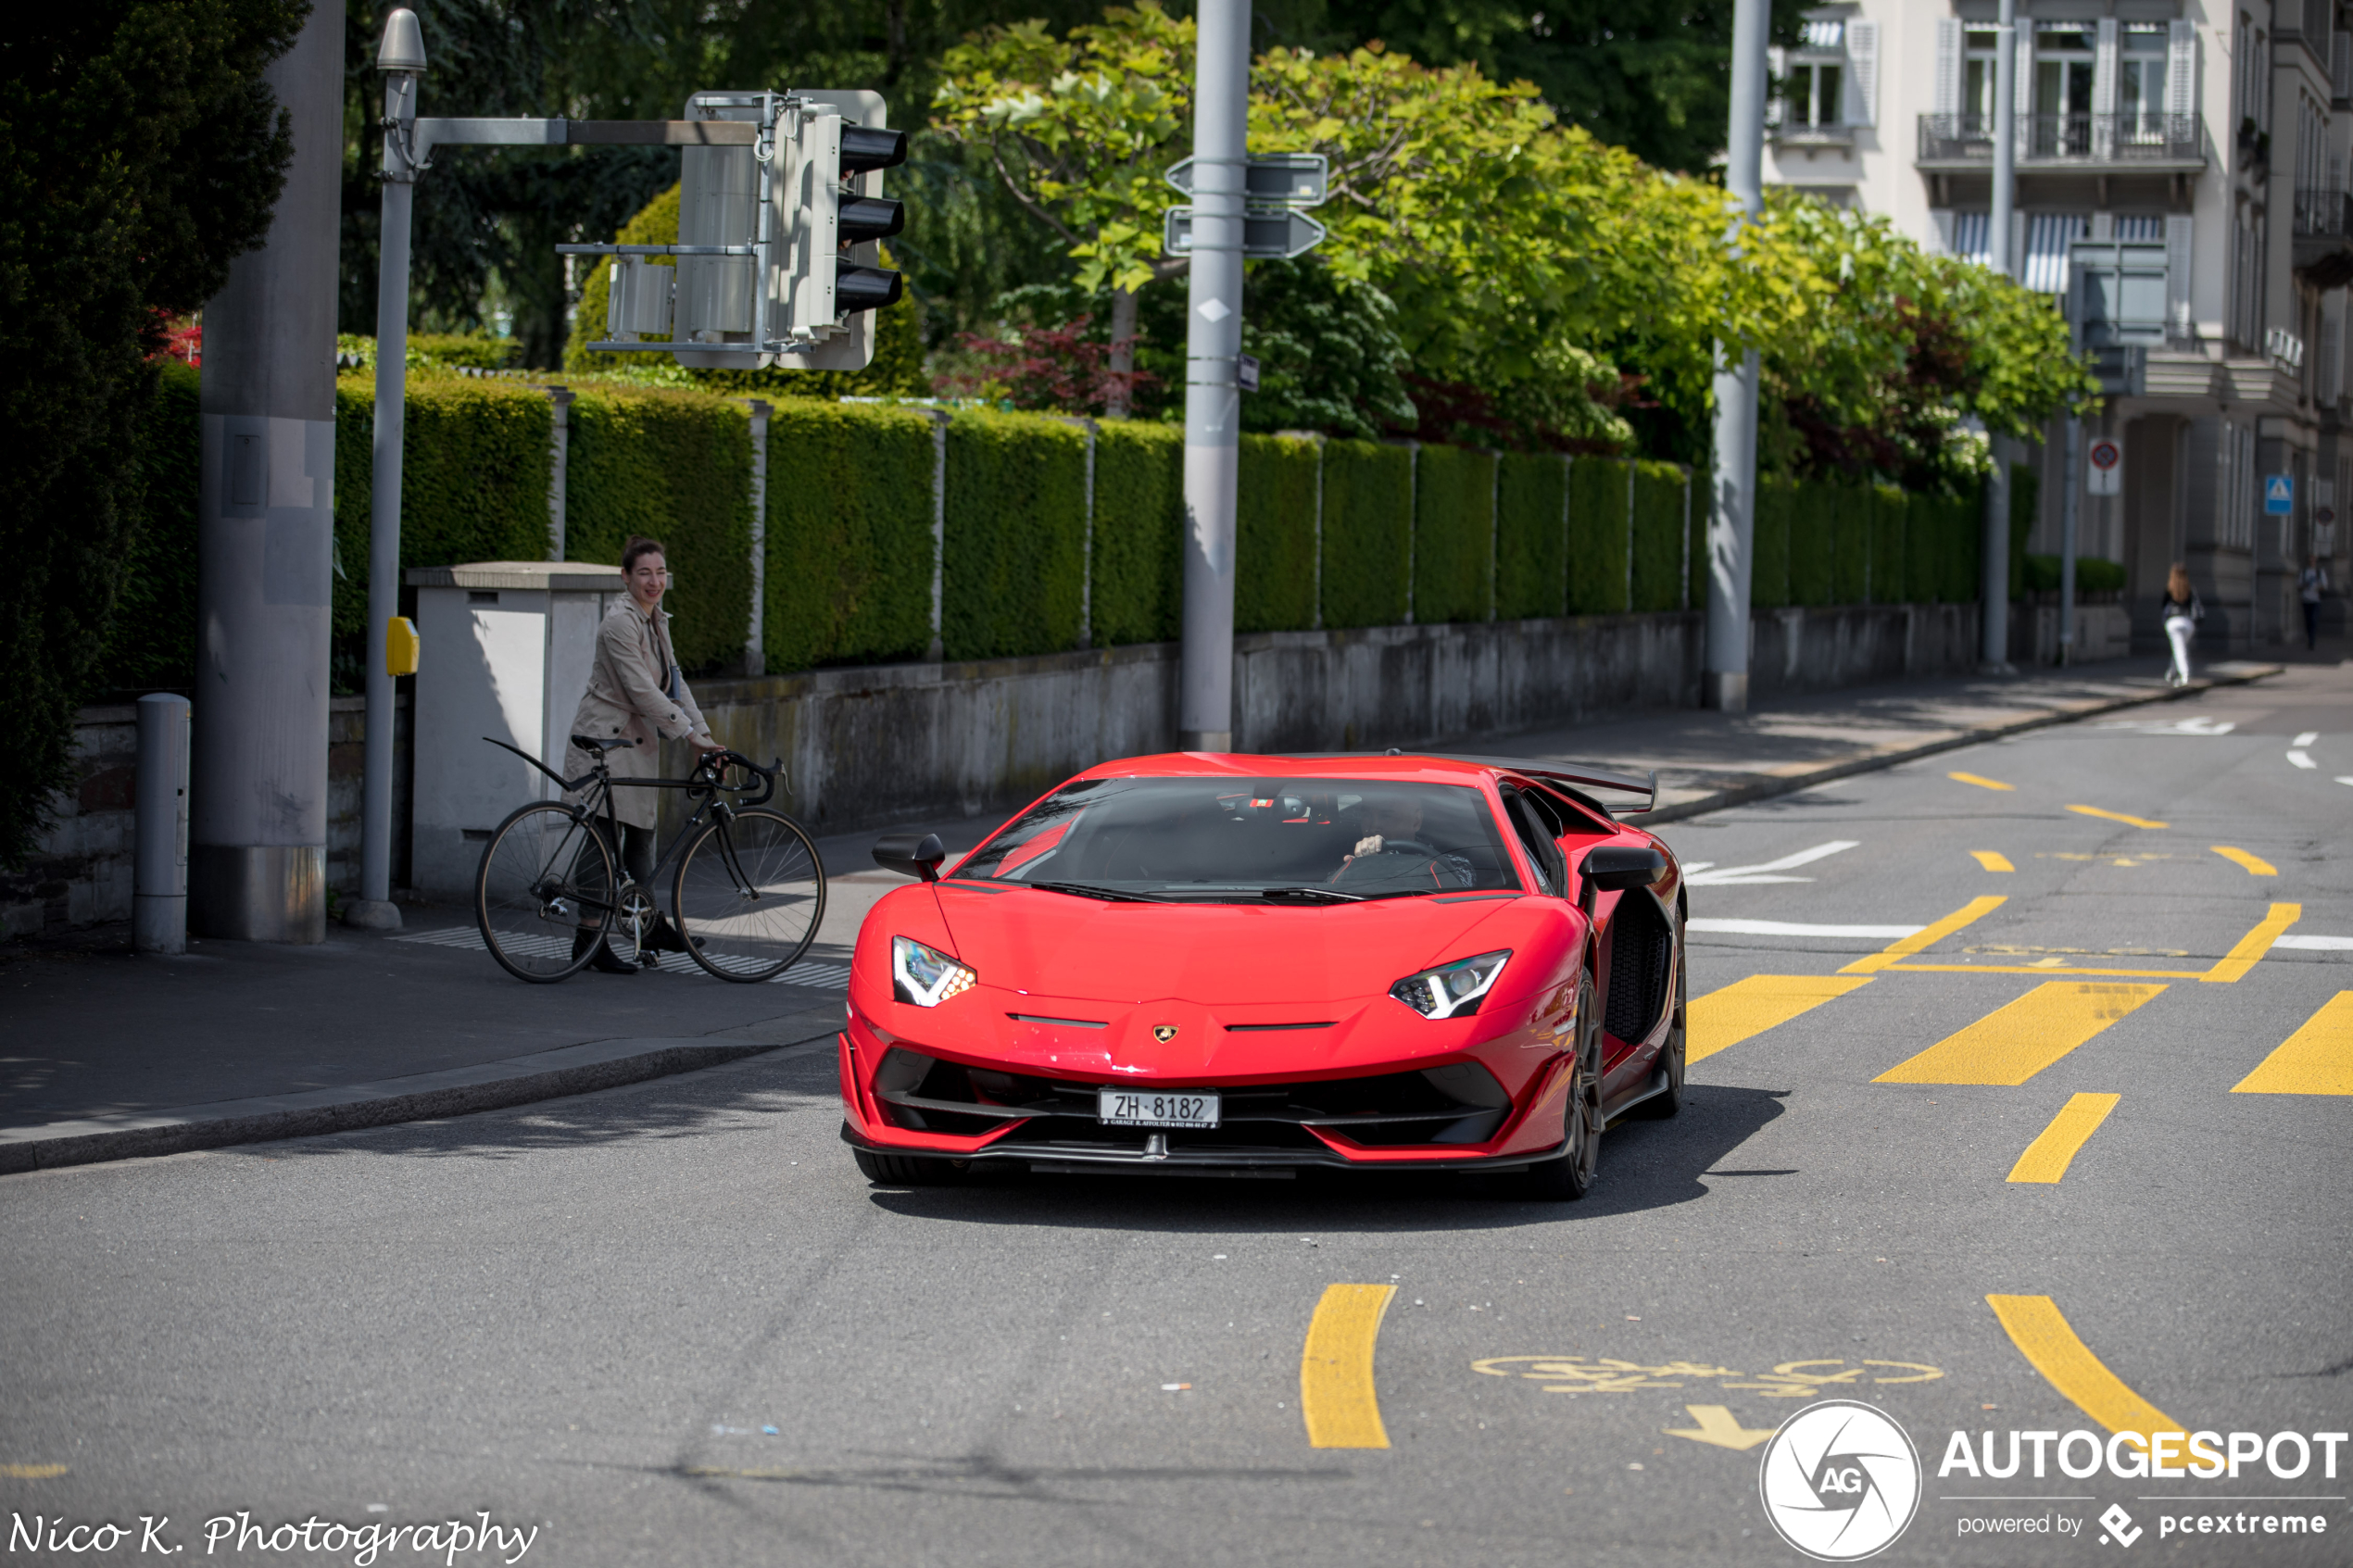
(599, 782)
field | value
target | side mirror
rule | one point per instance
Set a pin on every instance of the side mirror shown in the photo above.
(910, 854)
(1613, 868)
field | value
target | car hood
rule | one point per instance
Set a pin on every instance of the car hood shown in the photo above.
(1226, 955)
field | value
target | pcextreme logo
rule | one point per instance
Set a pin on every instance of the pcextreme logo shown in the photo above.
(1840, 1481)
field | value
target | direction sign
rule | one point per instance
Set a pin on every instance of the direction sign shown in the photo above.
(1266, 235)
(2279, 495)
(1272, 179)
(2104, 471)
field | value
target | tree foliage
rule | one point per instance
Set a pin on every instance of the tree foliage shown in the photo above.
(140, 152)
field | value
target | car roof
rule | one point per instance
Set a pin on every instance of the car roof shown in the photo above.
(1395, 767)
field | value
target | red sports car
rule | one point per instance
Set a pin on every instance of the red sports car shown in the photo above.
(1228, 965)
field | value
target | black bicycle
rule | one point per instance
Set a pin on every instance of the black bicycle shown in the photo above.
(747, 897)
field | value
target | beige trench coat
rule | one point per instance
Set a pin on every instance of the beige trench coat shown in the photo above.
(628, 696)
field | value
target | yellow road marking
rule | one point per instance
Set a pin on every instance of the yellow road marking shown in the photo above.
(2315, 1059)
(1718, 1427)
(1725, 1018)
(1336, 1392)
(2255, 944)
(1927, 936)
(2256, 865)
(2043, 1336)
(51, 1472)
(2047, 966)
(1979, 781)
(2011, 1043)
(2047, 1158)
(2119, 817)
(1994, 860)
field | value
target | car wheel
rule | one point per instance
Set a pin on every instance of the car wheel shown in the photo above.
(908, 1171)
(1661, 1105)
(1570, 1176)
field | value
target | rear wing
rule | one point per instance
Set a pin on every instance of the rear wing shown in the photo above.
(1578, 777)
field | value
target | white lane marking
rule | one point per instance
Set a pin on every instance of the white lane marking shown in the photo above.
(2309, 944)
(2306, 738)
(823, 976)
(1694, 867)
(2344, 778)
(2198, 725)
(1788, 928)
(1744, 875)
(2302, 759)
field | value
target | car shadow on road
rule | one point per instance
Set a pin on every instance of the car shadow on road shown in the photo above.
(1645, 1165)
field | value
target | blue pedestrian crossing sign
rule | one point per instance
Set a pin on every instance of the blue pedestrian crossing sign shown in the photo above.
(2279, 495)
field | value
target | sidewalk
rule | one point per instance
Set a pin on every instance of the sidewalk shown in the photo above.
(106, 1056)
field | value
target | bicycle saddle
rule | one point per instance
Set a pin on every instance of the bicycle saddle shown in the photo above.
(590, 743)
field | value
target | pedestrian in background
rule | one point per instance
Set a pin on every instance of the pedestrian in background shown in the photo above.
(2311, 582)
(635, 691)
(2182, 612)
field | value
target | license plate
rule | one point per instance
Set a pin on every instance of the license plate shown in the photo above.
(1146, 1108)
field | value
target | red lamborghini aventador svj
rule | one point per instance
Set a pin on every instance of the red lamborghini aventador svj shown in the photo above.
(1257, 964)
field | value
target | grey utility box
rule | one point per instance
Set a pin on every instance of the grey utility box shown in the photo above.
(504, 651)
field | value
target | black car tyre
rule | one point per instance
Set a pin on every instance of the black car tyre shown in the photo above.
(908, 1171)
(1673, 1057)
(1571, 1174)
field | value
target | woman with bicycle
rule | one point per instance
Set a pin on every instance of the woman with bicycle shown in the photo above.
(635, 693)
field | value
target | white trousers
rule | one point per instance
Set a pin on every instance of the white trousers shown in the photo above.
(2180, 628)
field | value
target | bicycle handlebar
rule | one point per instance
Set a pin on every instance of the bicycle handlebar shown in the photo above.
(717, 764)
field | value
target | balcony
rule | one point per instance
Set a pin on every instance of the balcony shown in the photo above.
(2324, 238)
(2108, 142)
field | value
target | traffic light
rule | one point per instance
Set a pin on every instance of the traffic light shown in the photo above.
(831, 218)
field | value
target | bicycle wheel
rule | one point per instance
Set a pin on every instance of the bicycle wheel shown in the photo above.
(750, 895)
(546, 880)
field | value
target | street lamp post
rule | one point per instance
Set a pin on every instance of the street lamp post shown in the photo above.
(1994, 655)
(1731, 512)
(401, 59)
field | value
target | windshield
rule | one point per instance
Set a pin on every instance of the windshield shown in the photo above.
(1224, 839)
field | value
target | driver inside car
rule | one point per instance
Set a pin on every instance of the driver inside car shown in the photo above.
(1390, 848)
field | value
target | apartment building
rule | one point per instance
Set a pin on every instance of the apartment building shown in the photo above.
(2211, 139)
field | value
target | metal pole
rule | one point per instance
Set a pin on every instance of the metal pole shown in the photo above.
(1731, 512)
(1995, 651)
(2073, 477)
(402, 61)
(265, 548)
(1213, 397)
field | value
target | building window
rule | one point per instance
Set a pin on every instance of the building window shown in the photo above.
(1813, 95)
(1977, 90)
(2064, 55)
(2140, 87)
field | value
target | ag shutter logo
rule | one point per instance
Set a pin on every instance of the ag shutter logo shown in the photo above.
(1840, 1481)
(2120, 1525)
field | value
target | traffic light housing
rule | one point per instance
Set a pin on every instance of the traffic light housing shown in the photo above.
(831, 217)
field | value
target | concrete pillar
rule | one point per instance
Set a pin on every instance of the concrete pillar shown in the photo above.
(258, 829)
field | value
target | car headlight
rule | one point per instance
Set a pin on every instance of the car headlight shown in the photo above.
(1451, 990)
(926, 977)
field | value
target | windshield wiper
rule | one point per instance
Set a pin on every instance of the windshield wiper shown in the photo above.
(1310, 895)
(1086, 890)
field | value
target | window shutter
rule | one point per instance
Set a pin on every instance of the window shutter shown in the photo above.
(1862, 75)
(2103, 72)
(1948, 65)
(2178, 228)
(1777, 73)
(2181, 67)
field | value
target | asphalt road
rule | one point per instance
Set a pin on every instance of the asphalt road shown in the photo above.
(587, 1316)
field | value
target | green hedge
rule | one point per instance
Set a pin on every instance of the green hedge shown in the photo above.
(1453, 534)
(1597, 517)
(1017, 535)
(1139, 590)
(1850, 512)
(848, 543)
(1531, 537)
(1768, 558)
(674, 466)
(1813, 524)
(2092, 575)
(1891, 522)
(1658, 537)
(1368, 516)
(1942, 546)
(2026, 487)
(1274, 532)
(473, 486)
